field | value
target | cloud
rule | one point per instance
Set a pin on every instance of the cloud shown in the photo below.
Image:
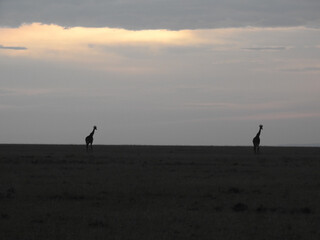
(280, 116)
(230, 106)
(303, 69)
(12, 48)
(55, 35)
(118, 49)
(104, 46)
(158, 14)
(4, 92)
(24, 91)
(265, 48)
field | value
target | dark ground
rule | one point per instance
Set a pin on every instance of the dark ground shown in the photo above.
(158, 192)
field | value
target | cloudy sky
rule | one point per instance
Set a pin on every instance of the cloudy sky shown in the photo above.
(195, 72)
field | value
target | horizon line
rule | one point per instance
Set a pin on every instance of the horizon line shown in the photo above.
(164, 145)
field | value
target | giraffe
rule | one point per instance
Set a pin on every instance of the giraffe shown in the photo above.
(256, 140)
(89, 139)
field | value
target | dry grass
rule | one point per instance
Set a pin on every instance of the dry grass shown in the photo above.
(143, 192)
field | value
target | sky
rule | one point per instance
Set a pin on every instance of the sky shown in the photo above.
(160, 72)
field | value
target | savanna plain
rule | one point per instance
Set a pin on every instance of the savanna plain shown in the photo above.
(158, 192)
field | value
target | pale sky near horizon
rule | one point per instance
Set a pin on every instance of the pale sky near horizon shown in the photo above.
(160, 72)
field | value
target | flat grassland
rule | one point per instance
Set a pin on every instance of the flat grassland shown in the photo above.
(158, 192)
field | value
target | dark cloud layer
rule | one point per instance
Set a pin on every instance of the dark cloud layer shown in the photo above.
(169, 14)
(12, 48)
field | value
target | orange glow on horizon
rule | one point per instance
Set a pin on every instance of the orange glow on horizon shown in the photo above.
(87, 45)
(37, 35)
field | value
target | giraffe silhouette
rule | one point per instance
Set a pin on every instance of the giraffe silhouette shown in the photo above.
(256, 141)
(89, 139)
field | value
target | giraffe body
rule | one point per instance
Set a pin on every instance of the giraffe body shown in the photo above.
(256, 141)
(89, 139)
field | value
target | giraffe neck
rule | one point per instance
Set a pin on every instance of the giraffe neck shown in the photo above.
(258, 134)
(91, 134)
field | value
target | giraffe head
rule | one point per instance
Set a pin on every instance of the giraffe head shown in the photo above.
(261, 126)
(94, 127)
